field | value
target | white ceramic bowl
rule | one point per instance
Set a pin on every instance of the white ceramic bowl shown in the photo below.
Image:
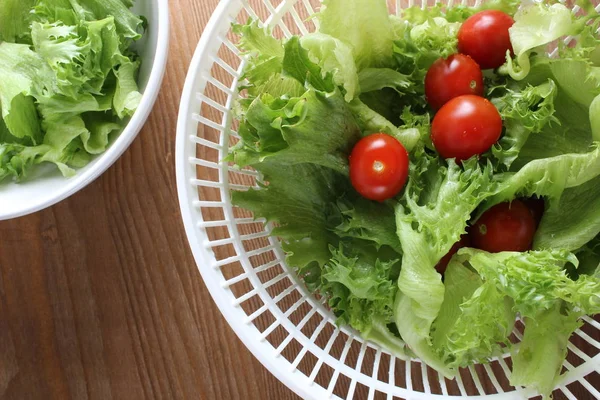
(45, 185)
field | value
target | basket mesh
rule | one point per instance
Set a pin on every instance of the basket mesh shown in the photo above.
(286, 327)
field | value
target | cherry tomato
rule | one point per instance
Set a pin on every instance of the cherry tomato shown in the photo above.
(485, 37)
(504, 227)
(379, 167)
(443, 264)
(537, 207)
(452, 77)
(466, 126)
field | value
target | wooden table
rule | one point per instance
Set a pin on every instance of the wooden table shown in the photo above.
(100, 297)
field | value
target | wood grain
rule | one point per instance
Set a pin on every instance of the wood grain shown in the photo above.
(100, 297)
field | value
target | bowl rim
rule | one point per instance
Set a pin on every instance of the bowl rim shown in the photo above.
(124, 140)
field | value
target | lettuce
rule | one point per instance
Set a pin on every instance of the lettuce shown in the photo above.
(538, 361)
(357, 23)
(70, 81)
(550, 301)
(434, 193)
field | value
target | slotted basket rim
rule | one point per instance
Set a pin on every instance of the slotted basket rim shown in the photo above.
(191, 205)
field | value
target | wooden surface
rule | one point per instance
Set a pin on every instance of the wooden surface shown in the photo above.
(100, 297)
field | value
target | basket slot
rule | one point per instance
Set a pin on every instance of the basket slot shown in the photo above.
(392, 376)
(587, 338)
(216, 243)
(245, 172)
(309, 7)
(249, 10)
(232, 47)
(593, 391)
(443, 385)
(283, 345)
(276, 15)
(578, 352)
(218, 185)
(209, 204)
(408, 375)
(476, 380)
(304, 350)
(208, 122)
(256, 252)
(336, 373)
(211, 103)
(206, 143)
(315, 371)
(245, 297)
(361, 356)
(255, 235)
(266, 266)
(233, 281)
(567, 393)
(461, 384)
(568, 366)
(275, 280)
(256, 314)
(226, 67)
(219, 85)
(204, 163)
(592, 322)
(212, 224)
(300, 325)
(425, 376)
(283, 294)
(493, 378)
(295, 306)
(375, 373)
(504, 367)
(226, 261)
(298, 21)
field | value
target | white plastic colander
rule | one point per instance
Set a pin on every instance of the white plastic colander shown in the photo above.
(286, 327)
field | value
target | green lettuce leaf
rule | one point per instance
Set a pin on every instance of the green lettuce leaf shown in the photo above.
(364, 25)
(475, 319)
(538, 361)
(547, 177)
(14, 19)
(315, 128)
(574, 222)
(435, 193)
(70, 86)
(302, 212)
(535, 26)
(362, 285)
(334, 56)
(525, 111)
(369, 221)
(370, 121)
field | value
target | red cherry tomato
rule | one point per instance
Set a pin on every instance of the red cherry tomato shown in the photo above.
(379, 167)
(504, 227)
(485, 37)
(466, 126)
(452, 77)
(443, 264)
(537, 207)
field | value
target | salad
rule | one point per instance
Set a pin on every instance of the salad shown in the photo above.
(67, 80)
(435, 175)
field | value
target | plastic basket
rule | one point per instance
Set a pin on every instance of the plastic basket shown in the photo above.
(287, 328)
